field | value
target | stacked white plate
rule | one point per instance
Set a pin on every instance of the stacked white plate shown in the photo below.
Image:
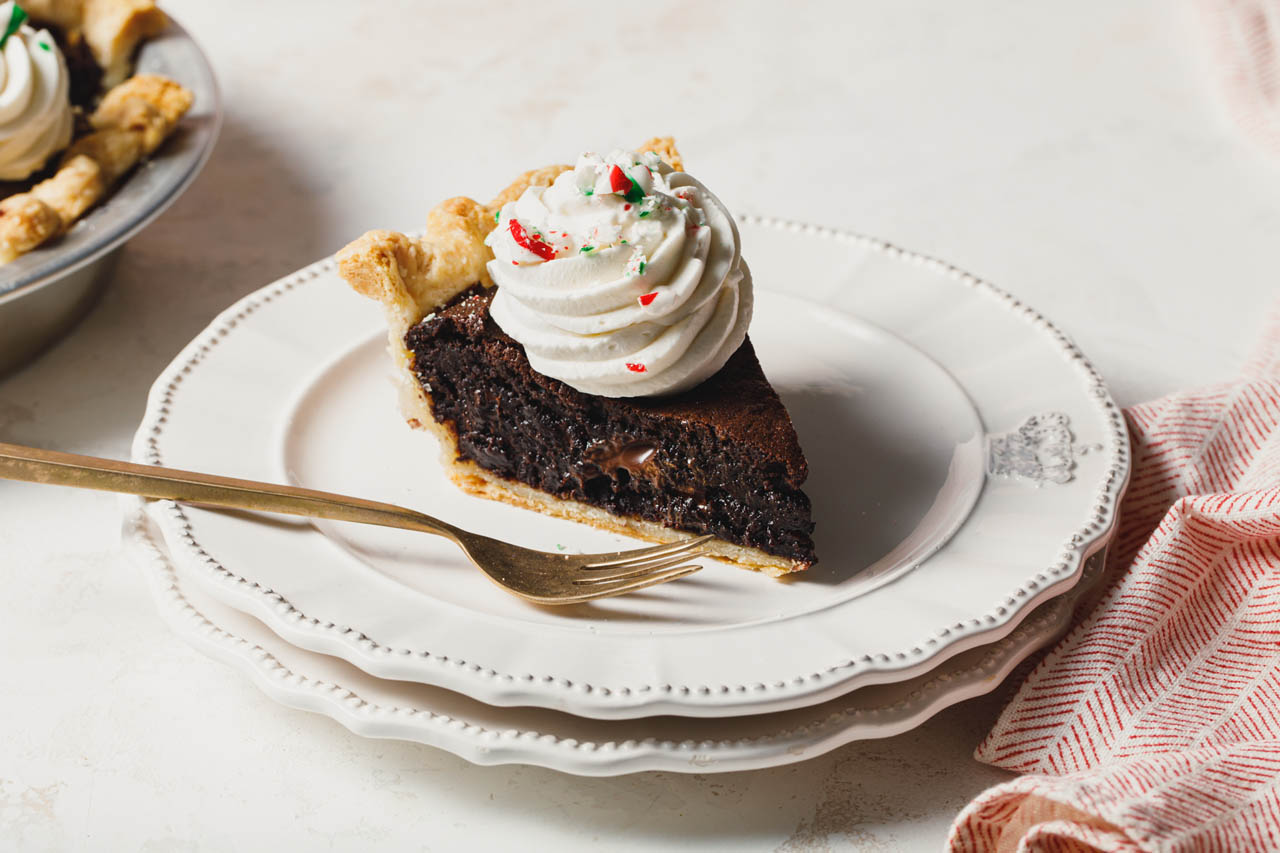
(965, 467)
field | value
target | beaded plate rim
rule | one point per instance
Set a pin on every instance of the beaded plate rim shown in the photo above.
(490, 745)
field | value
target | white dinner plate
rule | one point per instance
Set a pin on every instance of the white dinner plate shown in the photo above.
(485, 734)
(965, 459)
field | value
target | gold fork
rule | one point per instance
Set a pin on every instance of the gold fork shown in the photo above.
(534, 575)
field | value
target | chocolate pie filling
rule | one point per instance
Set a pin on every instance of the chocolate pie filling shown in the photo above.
(722, 458)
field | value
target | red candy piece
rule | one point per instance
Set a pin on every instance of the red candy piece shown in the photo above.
(635, 368)
(532, 242)
(618, 180)
(648, 298)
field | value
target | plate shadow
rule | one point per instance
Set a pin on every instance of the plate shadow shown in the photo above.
(869, 488)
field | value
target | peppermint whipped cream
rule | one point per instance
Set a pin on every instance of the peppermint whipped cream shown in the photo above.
(35, 112)
(624, 278)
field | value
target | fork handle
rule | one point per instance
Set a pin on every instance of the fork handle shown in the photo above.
(109, 475)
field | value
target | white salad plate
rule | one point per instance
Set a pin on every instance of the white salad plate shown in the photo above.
(488, 735)
(965, 460)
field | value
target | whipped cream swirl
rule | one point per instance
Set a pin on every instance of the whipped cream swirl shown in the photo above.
(35, 111)
(623, 278)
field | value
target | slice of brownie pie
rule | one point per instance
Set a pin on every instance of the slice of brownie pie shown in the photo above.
(579, 347)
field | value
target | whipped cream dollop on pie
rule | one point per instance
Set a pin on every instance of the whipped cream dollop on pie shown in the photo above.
(623, 278)
(35, 110)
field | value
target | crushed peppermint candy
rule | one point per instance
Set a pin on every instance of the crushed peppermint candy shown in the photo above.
(648, 298)
(651, 160)
(17, 15)
(533, 242)
(636, 367)
(623, 184)
(618, 180)
(635, 264)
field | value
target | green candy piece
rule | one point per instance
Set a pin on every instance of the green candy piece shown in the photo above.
(16, 18)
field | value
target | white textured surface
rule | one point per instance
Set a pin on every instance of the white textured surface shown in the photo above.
(1074, 156)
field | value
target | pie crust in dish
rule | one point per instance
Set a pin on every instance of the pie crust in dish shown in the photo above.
(130, 121)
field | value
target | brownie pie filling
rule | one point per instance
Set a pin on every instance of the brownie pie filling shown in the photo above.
(720, 459)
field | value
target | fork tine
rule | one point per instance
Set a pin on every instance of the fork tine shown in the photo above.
(624, 558)
(641, 563)
(625, 586)
(624, 572)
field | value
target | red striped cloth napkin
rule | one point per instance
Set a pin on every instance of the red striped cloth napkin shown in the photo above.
(1155, 724)
(1243, 40)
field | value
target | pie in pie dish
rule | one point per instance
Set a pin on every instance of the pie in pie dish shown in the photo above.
(578, 346)
(72, 122)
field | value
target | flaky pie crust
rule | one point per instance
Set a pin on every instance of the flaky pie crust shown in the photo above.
(130, 123)
(111, 28)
